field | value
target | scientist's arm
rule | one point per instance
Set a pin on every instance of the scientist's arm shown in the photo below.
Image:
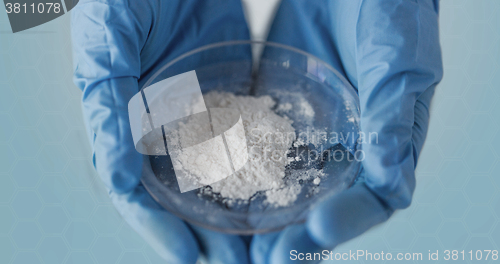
(107, 41)
(109, 37)
(389, 50)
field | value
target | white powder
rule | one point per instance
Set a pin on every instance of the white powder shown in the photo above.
(201, 157)
(306, 108)
(269, 139)
(317, 180)
(285, 107)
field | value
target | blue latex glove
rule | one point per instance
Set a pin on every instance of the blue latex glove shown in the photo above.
(389, 50)
(117, 45)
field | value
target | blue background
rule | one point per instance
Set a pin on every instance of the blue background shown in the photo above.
(54, 208)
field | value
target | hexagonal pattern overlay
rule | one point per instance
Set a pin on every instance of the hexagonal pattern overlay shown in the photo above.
(129, 239)
(423, 244)
(73, 112)
(26, 143)
(496, 205)
(426, 219)
(80, 173)
(53, 158)
(428, 189)
(79, 235)
(480, 189)
(453, 234)
(77, 257)
(8, 98)
(106, 250)
(26, 204)
(53, 42)
(456, 45)
(453, 21)
(7, 189)
(53, 220)
(53, 128)
(452, 112)
(53, 97)
(480, 67)
(455, 83)
(26, 51)
(480, 219)
(496, 235)
(53, 189)
(480, 10)
(8, 127)
(26, 86)
(453, 143)
(27, 173)
(26, 257)
(132, 258)
(73, 143)
(8, 66)
(429, 160)
(26, 235)
(27, 112)
(106, 220)
(7, 221)
(79, 204)
(495, 143)
(480, 128)
(479, 158)
(453, 204)
(7, 249)
(53, 250)
(7, 158)
(453, 174)
(60, 66)
(480, 36)
(478, 243)
(399, 235)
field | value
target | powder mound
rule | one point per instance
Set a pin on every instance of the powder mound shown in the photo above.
(269, 138)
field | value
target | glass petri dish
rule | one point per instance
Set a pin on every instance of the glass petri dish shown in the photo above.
(289, 76)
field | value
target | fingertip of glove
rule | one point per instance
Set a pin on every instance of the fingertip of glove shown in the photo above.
(122, 183)
(218, 247)
(345, 216)
(329, 223)
(293, 240)
(180, 256)
(121, 175)
(261, 246)
(184, 256)
(321, 228)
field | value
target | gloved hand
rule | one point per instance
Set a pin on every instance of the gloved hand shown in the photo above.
(389, 50)
(118, 45)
